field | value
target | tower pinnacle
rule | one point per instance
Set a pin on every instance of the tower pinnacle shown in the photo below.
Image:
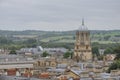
(83, 22)
(82, 27)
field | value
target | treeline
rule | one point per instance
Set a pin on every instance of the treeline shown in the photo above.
(10, 44)
(8, 41)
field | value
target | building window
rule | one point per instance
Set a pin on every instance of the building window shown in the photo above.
(82, 37)
(86, 36)
(87, 47)
(77, 47)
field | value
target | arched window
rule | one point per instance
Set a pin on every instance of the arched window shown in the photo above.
(86, 46)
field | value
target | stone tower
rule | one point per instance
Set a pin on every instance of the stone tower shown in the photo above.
(82, 50)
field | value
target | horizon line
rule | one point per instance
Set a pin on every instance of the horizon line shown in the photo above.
(60, 30)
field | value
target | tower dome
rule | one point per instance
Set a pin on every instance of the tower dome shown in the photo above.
(83, 27)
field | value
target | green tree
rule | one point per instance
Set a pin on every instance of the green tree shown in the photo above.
(30, 43)
(4, 40)
(100, 57)
(108, 51)
(117, 52)
(71, 55)
(95, 51)
(12, 52)
(94, 44)
(45, 54)
(115, 65)
(107, 37)
(67, 54)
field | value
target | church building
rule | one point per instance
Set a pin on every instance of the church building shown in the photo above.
(82, 49)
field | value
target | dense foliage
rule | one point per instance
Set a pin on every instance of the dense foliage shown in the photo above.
(68, 54)
(114, 66)
(95, 50)
(32, 38)
(45, 54)
(117, 51)
(12, 52)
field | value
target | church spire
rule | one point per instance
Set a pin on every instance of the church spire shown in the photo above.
(83, 22)
(83, 27)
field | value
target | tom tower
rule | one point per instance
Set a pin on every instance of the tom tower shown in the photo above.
(82, 49)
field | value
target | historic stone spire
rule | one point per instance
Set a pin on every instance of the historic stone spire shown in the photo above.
(83, 27)
(82, 50)
(83, 22)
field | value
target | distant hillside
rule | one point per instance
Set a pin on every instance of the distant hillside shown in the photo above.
(31, 38)
(101, 36)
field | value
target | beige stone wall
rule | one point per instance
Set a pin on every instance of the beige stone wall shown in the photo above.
(82, 50)
(84, 74)
(85, 56)
(44, 63)
(73, 75)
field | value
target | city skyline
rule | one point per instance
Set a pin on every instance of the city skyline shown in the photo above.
(60, 15)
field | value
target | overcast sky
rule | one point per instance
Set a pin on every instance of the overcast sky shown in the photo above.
(59, 15)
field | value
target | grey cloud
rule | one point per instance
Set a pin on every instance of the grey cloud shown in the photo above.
(57, 14)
